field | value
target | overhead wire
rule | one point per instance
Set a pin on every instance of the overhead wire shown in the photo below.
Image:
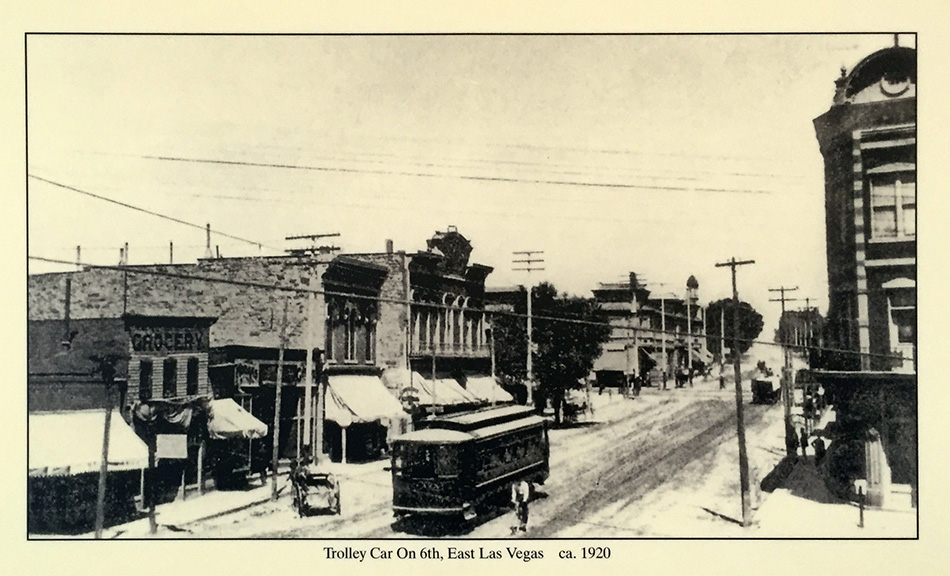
(147, 211)
(473, 177)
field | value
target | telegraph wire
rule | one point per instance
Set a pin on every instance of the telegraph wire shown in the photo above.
(473, 177)
(143, 269)
(149, 212)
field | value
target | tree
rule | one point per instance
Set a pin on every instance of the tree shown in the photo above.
(750, 324)
(568, 333)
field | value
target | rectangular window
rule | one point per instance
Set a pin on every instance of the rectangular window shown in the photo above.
(145, 380)
(169, 378)
(191, 378)
(894, 206)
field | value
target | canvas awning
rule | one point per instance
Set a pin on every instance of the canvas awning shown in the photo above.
(611, 360)
(70, 443)
(360, 398)
(487, 389)
(441, 391)
(227, 419)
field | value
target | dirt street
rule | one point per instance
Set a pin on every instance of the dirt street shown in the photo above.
(629, 471)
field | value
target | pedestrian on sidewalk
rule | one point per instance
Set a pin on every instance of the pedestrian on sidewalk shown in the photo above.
(804, 440)
(791, 441)
(722, 381)
(520, 495)
(819, 445)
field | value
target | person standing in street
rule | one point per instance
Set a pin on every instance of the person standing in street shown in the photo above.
(804, 441)
(520, 495)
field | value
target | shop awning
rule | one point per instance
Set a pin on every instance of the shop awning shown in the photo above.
(69, 443)
(611, 360)
(487, 389)
(227, 420)
(441, 391)
(360, 398)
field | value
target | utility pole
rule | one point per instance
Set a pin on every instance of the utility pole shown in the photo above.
(308, 381)
(313, 249)
(530, 265)
(280, 375)
(790, 448)
(740, 424)
(807, 327)
(107, 369)
(666, 362)
(722, 339)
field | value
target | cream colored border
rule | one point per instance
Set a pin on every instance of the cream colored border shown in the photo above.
(928, 556)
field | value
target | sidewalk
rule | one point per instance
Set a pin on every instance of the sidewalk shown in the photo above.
(174, 517)
(803, 507)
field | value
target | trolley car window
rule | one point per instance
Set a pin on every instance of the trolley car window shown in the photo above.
(427, 461)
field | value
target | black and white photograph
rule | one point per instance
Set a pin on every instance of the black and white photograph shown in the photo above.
(478, 290)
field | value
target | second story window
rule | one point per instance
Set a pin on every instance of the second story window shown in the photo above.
(191, 378)
(169, 378)
(894, 206)
(145, 380)
(351, 329)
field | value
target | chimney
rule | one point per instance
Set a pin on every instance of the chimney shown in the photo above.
(125, 255)
(208, 253)
(389, 246)
(79, 258)
(121, 256)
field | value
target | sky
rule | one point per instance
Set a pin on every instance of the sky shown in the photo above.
(657, 154)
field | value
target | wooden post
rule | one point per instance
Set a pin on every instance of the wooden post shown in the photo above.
(103, 469)
(152, 522)
(277, 385)
(184, 471)
(740, 424)
(343, 443)
(201, 463)
(308, 380)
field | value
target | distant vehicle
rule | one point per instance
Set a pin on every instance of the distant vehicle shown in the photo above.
(458, 463)
(765, 391)
(315, 491)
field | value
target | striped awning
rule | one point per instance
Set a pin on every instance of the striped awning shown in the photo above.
(441, 391)
(70, 443)
(227, 419)
(355, 398)
(487, 389)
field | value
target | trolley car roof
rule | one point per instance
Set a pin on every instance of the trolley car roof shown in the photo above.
(451, 436)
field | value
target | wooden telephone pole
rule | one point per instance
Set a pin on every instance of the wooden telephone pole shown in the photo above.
(530, 265)
(280, 374)
(740, 424)
(790, 448)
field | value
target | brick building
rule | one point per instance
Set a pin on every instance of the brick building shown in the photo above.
(868, 141)
(339, 314)
(433, 341)
(637, 341)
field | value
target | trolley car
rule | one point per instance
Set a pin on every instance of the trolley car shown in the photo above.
(457, 463)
